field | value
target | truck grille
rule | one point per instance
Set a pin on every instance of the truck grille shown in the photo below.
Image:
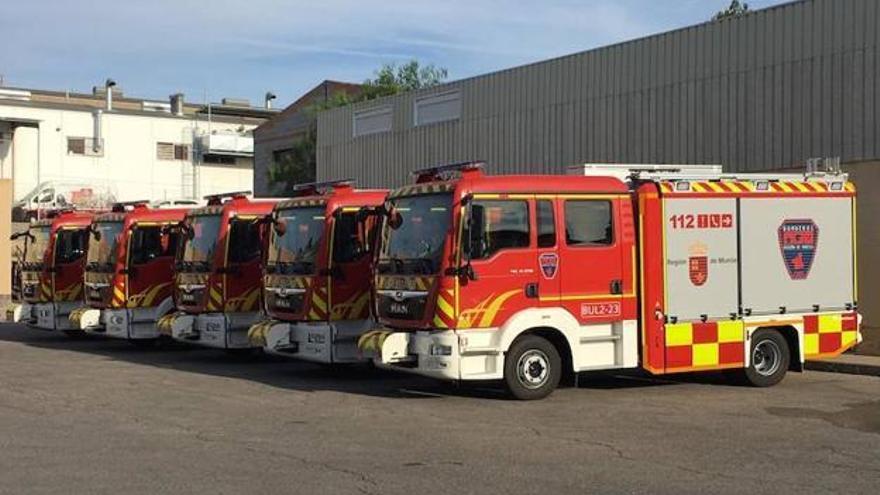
(402, 305)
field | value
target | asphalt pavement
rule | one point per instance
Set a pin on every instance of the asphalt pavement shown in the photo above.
(100, 416)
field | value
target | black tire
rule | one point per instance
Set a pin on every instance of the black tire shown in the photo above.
(532, 368)
(769, 357)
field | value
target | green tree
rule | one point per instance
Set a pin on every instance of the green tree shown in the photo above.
(298, 164)
(735, 9)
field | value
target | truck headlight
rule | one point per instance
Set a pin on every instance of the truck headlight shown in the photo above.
(441, 350)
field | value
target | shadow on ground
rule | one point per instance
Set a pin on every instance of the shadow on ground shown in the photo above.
(304, 376)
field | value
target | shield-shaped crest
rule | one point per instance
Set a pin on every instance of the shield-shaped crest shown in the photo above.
(698, 263)
(798, 243)
(549, 263)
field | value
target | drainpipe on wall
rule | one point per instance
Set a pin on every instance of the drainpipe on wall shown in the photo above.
(97, 134)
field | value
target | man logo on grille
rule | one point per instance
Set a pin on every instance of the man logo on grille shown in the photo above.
(798, 242)
(698, 263)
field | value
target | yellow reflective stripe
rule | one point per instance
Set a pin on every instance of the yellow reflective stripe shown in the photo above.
(811, 343)
(494, 307)
(698, 187)
(830, 323)
(848, 337)
(438, 322)
(704, 354)
(784, 186)
(730, 331)
(679, 334)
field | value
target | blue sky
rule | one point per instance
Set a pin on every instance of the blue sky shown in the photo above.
(243, 48)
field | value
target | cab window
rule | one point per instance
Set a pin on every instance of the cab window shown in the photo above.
(349, 242)
(496, 225)
(245, 241)
(70, 245)
(149, 243)
(588, 223)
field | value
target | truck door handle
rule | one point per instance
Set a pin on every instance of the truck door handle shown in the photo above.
(616, 287)
(532, 290)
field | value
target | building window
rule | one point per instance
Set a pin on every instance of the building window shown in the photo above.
(219, 159)
(85, 146)
(437, 108)
(588, 223)
(372, 121)
(171, 151)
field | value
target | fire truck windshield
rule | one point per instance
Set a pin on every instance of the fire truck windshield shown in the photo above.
(102, 246)
(198, 247)
(295, 251)
(37, 245)
(415, 241)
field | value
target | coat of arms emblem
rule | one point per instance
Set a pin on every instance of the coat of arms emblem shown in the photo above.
(798, 241)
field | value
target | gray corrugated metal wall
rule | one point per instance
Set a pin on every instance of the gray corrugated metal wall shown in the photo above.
(761, 92)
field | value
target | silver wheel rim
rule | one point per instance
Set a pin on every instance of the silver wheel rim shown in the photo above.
(766, 357)
(533, 369)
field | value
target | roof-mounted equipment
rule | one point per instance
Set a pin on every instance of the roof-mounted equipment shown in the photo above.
(217, 199)
(319, 188)
(122, 206)
(445, 172)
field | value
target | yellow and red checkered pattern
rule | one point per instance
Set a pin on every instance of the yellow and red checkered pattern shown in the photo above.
(714, 344)
(829, 335)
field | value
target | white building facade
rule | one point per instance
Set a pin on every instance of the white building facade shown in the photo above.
(135, 149)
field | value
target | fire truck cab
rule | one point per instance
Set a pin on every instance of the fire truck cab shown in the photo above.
(128, 272)
(217, 272)
(667, 268)
(52, 269)
(317, 273)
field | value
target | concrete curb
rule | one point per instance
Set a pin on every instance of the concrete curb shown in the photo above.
(848, 363)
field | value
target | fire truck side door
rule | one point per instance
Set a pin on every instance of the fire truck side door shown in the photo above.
(243, 275)
(70, 248)
(150, 258)
(590, 259)
(350, 265)
(500, 246)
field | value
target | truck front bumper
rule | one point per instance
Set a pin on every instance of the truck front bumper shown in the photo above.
(131, 324)
(19, 312)
(51, 315)
(320, 342)
(215, 330)
(446, 354)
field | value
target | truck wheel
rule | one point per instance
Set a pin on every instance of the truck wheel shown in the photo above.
(769, 359)
(532, 368)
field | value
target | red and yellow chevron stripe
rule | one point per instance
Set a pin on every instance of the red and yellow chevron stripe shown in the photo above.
(774, 187)
(215, 296)
(72, 293)
(117, 300)
(318, 309)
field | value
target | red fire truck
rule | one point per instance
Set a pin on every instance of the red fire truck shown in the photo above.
(52, 270)
(667, 268)
(317, 274)
(129, 272)
(217, 281)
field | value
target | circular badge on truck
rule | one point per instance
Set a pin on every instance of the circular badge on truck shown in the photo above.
(549, 264)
